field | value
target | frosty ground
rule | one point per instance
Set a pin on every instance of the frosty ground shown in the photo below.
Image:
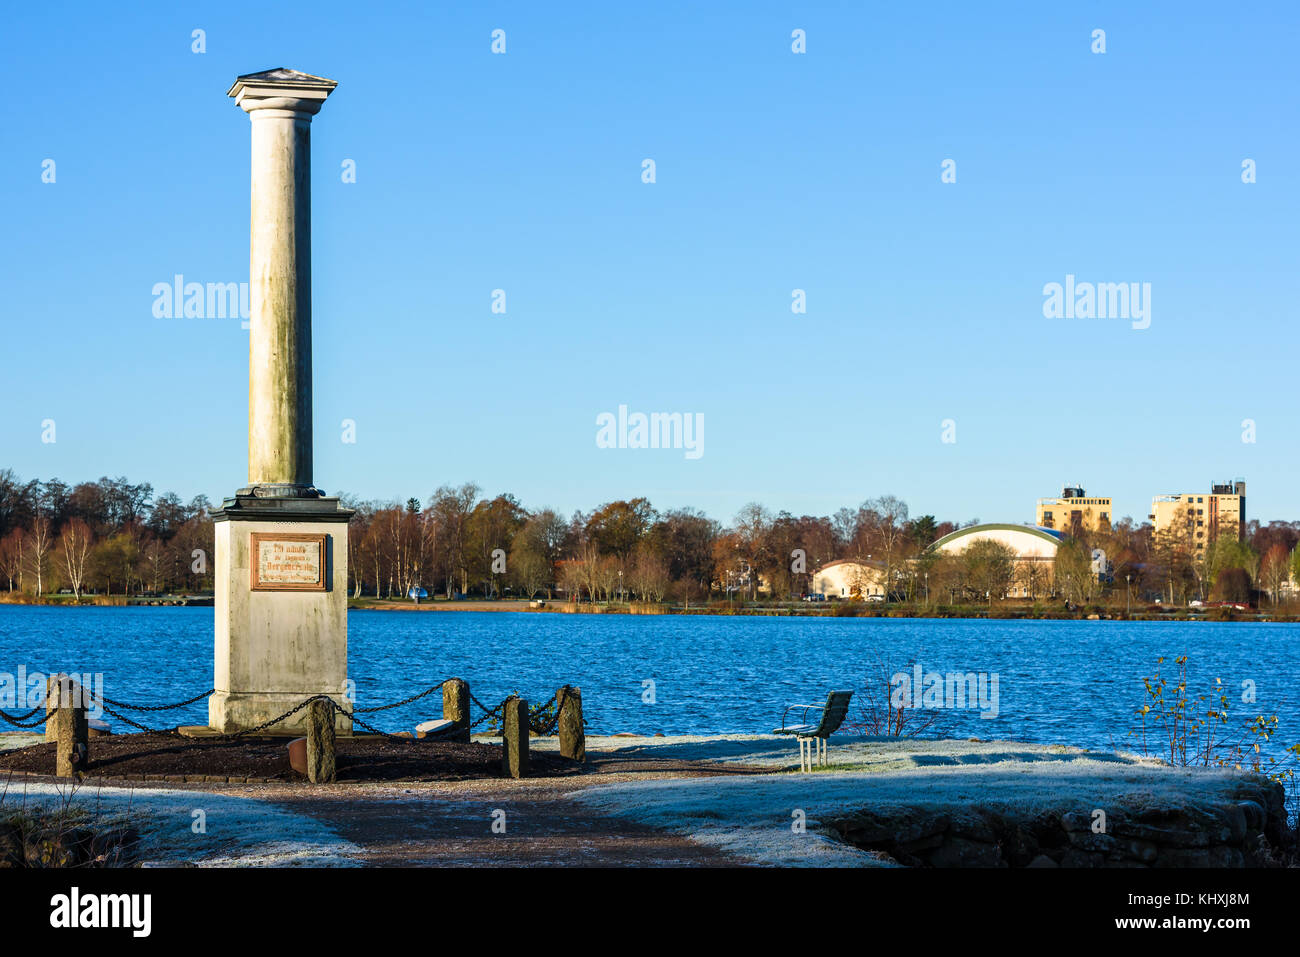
(667, 801)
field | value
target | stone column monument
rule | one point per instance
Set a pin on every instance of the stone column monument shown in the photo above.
(281, 545)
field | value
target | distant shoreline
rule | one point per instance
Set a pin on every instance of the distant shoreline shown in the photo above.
(1005, 612)
(828, 610)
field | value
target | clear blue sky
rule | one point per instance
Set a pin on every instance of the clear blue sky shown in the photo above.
(775, 171)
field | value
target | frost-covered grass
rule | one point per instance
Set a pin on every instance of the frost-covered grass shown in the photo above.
(752, 816)
(849, 752)
(239, 831)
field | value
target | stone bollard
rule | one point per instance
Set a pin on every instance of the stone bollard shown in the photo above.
(514, 734)
(573, 740)
(320, 742)
(66, 725)
(455, 707)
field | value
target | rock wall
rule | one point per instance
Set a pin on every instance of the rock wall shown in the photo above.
(1247, 830)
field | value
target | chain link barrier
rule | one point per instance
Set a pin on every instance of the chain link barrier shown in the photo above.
(487, 712)
(158, 707)
(397, 704)
(17, 720)
(109, 706)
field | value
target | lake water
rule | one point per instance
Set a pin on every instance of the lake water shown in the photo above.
(1069, 682)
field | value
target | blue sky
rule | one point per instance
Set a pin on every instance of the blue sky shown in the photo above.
(775, 171)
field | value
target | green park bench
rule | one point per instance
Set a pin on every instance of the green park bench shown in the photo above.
(833, 713)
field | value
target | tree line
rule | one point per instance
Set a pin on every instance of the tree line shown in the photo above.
(113, 536)
(105, 537)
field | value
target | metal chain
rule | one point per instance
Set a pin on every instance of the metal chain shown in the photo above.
(483, 707)
(536, 713)
(533, 713)
(17, 720)
(105, 704)
(159, 707)
(396, 704)
(487, 712)
(276, 720)
(123, 718)
(369, 727)
(558, 700)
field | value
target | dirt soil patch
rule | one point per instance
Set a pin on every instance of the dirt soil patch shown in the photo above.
(359, 759)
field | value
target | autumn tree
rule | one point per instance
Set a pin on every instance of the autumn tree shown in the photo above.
(451, 508)
(648, 574)
(490, 533)
(617, 527)
(1275, 570)
(1232, 585)
(988, 567)
(1076, 579)
(12, 560)
(751, 544)
(535, 551)
(529, 572)
(685, 538)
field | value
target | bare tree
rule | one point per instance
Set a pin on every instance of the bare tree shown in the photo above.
(11, 557)
(1275, 571)
(529, 571)
(451, 508)
(648, 575)
(883, 712)
(76, 543)
(884, 520)
(40, 541)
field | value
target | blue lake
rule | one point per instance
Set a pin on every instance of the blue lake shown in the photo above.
(1069, 682)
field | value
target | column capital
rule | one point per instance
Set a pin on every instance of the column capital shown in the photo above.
(282, 89)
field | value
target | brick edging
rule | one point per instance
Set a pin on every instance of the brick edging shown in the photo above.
(147, 778)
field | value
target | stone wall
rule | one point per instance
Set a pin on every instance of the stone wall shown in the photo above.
(1247, 830)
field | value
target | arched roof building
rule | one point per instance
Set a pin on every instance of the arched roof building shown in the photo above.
(1027, 541)
(1034, 546)
(850, 579)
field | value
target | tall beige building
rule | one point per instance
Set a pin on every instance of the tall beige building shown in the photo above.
(1198, 519)
(1074, 512)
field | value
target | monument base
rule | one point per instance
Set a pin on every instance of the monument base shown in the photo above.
(233, 711)
(280, 610)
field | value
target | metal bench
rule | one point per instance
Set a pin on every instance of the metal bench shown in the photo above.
(833, 713)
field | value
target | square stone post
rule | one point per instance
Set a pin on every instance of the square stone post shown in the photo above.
(66, 724)
(320, 742)
(514, 737)
(455, 708)
(573, 738)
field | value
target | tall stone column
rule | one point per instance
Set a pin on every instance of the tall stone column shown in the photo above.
(280, 104)
(281, 544)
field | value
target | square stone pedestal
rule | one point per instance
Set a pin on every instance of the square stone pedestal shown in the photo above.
(281, 610)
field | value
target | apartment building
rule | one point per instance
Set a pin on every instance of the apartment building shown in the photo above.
(1073, 512)
(1199, 518)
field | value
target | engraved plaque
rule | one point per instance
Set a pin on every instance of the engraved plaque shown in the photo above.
(282, 561)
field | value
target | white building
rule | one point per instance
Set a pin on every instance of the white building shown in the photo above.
(1033, 546)
(850, 579)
